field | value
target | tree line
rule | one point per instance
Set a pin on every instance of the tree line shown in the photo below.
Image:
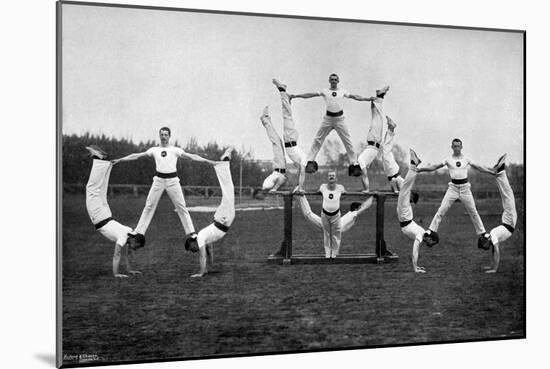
(76, 163)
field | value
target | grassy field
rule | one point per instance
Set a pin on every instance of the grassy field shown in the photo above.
(249, 307)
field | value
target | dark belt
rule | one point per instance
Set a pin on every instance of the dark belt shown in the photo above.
(330, 214)
(166, 175)
(337, 114)
(508, 227)
(103, 222)
(459, 181)
(290, 144)
(221, 227)
(282, 171)
(372, 143)
(405, 223)
(394, 176)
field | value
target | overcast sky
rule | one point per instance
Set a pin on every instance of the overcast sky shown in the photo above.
(127, 72)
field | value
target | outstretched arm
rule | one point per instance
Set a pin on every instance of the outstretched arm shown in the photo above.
(496, 259)
(483, 169)
(306, 95)
(130, 157)
(359, 97)
(129, 269)
(301, 178)
(430, 168)
(416, 268)
(202, 262)
(210, 253)
(198, 158)
(365, 205)
(116, 262)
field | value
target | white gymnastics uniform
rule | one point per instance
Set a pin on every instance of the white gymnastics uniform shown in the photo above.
(166, 179)
(225, 214)
(279, 162)
(348, 219)
(290, 133)
(97, 206)
(509, 216)
(459, 188)
(333, 120)
(391, 168)
(374, 135)
(331, 219)
(404, 209)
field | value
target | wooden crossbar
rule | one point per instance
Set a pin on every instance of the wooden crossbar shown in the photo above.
(360, 194)
(284, 255)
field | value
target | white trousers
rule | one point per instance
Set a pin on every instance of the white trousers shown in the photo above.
(404, 208)
(391, 168)
(389, 163)
(509, 214)
(339, 125)
(464, 193)
(276, 144)
(225, 214)
(332, 234)
(290, 133)
(96, 191)
(97, 206)
(289, 127)
(377, 121)
(173, 189)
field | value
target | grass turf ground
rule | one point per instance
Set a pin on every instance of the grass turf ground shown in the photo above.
(249, 307)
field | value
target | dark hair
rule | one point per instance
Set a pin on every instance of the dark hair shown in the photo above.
(414, 197)
(354, 206)
(139, 240)
(333, 75)
(167, 130)
(456, 140)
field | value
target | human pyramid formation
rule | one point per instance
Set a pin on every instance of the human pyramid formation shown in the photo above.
(330, 221)
(334, 119)
(378, 145)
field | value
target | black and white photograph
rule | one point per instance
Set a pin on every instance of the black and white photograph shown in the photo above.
(207, 209)
(176, 194)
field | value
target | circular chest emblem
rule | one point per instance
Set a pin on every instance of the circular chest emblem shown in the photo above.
(163, 154)
(458, 164)
(330, 196)
(334, 94)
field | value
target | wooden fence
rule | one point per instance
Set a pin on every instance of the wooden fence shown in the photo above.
(426, 191)
(142, 190)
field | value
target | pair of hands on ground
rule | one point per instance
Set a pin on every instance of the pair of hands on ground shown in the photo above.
(489, 269)
(198, 275)
(132, 272)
